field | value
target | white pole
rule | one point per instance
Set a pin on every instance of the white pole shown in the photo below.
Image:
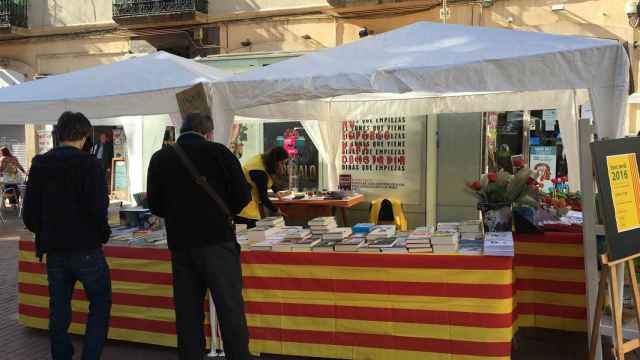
(589, 242)
(213, 322)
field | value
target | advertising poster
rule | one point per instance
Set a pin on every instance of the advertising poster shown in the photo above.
(625, 190)
(542, 160)
(384, 156)
(45, 141)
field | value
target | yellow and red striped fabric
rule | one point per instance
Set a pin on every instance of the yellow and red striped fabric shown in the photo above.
(382, 306)
(142, 308)
(550, 281)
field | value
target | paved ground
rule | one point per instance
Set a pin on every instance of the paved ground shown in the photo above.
(18, 342)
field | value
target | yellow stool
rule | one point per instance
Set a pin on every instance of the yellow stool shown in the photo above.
(388, 211)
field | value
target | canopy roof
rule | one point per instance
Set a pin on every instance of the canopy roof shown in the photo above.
(143, 85)
(443, 59)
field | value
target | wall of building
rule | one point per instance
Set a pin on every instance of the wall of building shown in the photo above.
(62, 13)
(225, 8)
(63, 54)
(301, 33)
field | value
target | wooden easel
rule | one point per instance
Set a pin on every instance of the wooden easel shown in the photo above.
(609, 273)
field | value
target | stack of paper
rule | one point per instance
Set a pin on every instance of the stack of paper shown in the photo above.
(322, 225)
(273, 221)
(382, 232)
(498, 244)
(444, 242)
(258, 234)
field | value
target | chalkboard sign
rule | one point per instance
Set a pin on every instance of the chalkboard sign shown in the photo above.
(120, 178)
(616, 165)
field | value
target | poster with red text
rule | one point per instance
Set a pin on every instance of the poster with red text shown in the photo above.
(385, 157)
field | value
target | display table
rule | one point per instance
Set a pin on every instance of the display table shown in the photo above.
(307, 209)
(339, 305)
(550, 281)
(142, 309)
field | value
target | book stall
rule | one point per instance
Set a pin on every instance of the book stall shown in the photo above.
(328, 288)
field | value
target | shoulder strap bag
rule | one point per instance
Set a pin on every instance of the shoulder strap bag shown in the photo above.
(202, 181)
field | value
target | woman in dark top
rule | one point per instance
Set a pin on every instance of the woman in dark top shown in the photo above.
(259, 172)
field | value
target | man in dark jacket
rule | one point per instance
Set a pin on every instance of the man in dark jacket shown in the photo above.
(204, 251)
(66, 207)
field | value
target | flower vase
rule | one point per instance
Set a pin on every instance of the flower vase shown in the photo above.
(496, 217)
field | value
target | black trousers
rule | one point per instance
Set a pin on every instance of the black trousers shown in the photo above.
(217, 268)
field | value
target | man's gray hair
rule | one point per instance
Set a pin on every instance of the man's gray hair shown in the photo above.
(198, 122)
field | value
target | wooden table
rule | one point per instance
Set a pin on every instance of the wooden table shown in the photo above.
(314, 208)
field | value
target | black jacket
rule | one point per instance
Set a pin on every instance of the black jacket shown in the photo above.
(66, 202)
(192, 218)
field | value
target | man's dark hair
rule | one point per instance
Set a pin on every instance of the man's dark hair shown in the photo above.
(272, 157)
(72, 126)
(198, 122)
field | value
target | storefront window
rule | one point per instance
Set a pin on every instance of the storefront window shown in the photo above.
(532, 136)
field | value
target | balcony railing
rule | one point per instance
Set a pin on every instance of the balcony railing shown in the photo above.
(13, 13)
(123, 9)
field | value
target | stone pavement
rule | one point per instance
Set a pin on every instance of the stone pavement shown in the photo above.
(18, 342)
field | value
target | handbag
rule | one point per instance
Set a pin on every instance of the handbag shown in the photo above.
(202, 182)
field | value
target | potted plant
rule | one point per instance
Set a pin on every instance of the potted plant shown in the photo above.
(498, 192)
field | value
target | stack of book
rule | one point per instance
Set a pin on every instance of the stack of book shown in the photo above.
(381, 232)
(297, 234)
(322, 225)
(337, 234)
(258, 234)
(325, 245)
(471, 230)
(448, 227)
(266, 245)
(420, 240)
(378, 244)
(307, 244)
(273, 221)
(362, 228)
(498, 244)
(470, 247)
(400, 246)
(444, 242)
(350, 244)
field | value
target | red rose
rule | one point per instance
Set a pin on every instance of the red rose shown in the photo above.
(565, 179)
(554, 181)
(475, 185)
(518, 163)
(492, 177)
(531, 180)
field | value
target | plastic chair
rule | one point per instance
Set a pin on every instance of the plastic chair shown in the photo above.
(388, 211)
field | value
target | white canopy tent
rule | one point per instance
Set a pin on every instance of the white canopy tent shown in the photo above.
(138, 94)
(144, 85)
(434, 67)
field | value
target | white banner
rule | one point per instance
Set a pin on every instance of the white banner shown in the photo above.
(384, 157)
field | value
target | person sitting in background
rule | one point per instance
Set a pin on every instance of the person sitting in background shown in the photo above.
(259, 172)
(9, 174)
(66, 207)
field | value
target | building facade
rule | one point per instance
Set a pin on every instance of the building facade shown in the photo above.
(45, 37)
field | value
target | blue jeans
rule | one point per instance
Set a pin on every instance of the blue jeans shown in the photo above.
(63, 271)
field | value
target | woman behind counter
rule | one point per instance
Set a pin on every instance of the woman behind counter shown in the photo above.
(9, 168)
(259, 172)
